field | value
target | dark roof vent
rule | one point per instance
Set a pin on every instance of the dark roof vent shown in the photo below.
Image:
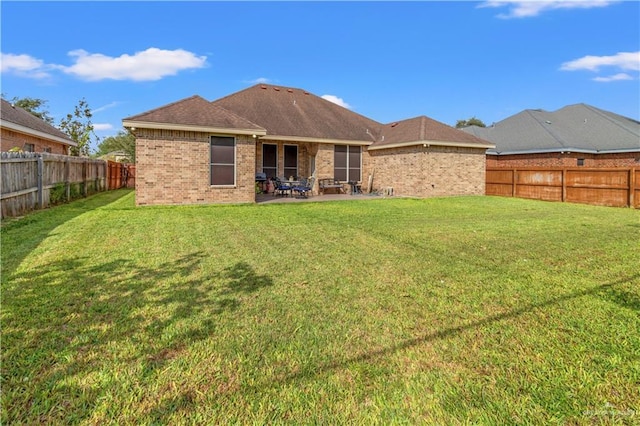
(263, 87)
(394, 124)
(290, 90)
(306, 93)
(277, 89)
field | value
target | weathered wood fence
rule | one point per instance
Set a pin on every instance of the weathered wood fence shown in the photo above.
(619, 187)
(121, 175)
(36, 180)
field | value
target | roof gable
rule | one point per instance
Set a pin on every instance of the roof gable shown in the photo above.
(291, 112)
(22, 120)
(194, 113)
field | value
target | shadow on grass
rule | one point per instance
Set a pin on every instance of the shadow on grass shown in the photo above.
(73, 334)
(608, 291)
(21, 235)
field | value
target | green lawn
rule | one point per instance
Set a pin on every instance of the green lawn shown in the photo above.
(462, 310)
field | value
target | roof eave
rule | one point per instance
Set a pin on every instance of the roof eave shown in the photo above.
(132, 124)
(36, 133)
(315, 140)
(433, 143)
(565, 150)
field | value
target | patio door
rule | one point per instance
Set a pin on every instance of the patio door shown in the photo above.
(270, 160)
(291, 161)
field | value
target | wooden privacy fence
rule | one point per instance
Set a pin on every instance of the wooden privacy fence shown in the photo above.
(121, 175)
(35, 180)
(619, 187)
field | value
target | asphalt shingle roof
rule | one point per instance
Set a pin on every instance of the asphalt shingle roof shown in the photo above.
(296, 113)
(195, 111)
(577, 128)
(287, 111)
(16, 115)
(423, 129)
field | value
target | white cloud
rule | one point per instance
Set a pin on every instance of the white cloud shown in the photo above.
(260, 80)
(336, 100)
(102, 126)
(616, 77)
(107, 106)
(528, 8)
(622, 60)
(151, 64)
(23, 65)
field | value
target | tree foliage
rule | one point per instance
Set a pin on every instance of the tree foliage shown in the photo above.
(35, 106)
(78, 126)
(124, 141)
(473, 121)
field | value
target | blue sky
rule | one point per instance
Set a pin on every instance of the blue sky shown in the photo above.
(385, 60)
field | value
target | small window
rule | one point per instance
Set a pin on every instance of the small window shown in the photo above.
(47, 150)
(223, 160)
(580, 161)
(347, 161)
(29, 147)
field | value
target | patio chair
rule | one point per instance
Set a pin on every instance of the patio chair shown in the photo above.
(306, 186)
(282, 187)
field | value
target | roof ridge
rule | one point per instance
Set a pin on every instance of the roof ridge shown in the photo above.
(560, 140)
(166, 106)
(601, 113)
(236, 115)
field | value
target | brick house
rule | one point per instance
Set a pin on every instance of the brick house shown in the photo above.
(196, 151)
(26, 132)
(574, 136)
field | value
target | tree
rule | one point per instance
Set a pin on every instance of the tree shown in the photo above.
(78, 127)
(473, 121)
(124, 141)
(35, 106)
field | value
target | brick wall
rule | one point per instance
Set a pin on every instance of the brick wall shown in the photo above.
(628, 159)
(429, 171)
(172, 167)
(11, 139)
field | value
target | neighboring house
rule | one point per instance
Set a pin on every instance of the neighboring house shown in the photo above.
(23, 131)
(196, 151)
(576, 135)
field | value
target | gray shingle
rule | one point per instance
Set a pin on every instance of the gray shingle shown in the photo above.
(573, 128)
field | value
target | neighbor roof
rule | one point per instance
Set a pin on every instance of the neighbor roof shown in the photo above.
(573, 128)
(193, 114)
(424, 130)
(20, 120)
(287, 113)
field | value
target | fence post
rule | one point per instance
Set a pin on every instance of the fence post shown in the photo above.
(514, 178)
(67, 185)
(632, 186)
(564, 185)
(40, 185)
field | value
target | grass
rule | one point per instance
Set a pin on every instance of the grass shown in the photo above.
(441, 311)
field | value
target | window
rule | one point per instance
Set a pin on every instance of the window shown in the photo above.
(47, 150)
(223, 160)
(270, 160)
(290, 160)
(29, 147)
(346, 163)
(580, 161)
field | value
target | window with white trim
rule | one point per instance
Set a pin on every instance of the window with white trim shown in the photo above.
(347, 163)
(223, 161)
